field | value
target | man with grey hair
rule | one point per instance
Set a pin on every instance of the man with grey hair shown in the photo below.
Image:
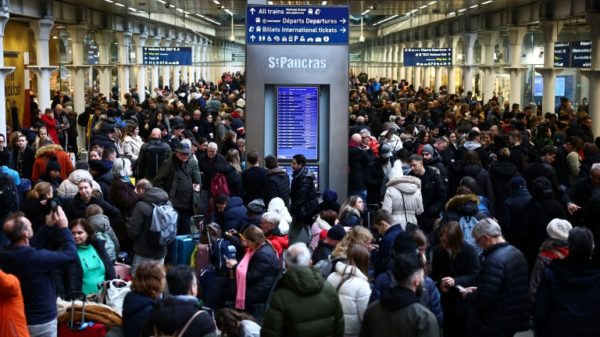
(209, 163)
(269, 223)
(303, 303)
(499, 303)
(152, 154)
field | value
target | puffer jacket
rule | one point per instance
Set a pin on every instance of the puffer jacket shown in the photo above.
(277, 205)
(101, 224)
(139, 223)
(304, 305)
(43, 154)
(403, 191)
(174, 312)
(278, 186)
(354, 295)
(68, 188)
(502, 296)
(131, 147)
(303, 195)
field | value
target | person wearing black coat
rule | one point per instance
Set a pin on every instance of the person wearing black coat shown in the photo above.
(499, 305)
(568, 299)
(24, 157)
(501, 172)
(234, 179)
(377, 171)
(254, 179)
(358, 160)
(433, 191)
(514, 223)
(76, 207)
(278, 184)
(230, 213)
(303, 193)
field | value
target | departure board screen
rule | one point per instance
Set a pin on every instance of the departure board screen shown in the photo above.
(427, 57)
(178, 56)
(297, 122)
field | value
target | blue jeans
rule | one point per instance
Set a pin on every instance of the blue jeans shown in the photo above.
(49, 329)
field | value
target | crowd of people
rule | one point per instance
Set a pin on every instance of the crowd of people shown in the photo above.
(463, 218)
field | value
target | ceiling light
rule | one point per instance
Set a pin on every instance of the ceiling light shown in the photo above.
(228, 11)
(361, 39)
(452, 14)
(474, 6)
(487, 2)
(270, 2)
(179, 10)
(324, 3)
(132, 9)
(172, 6)
(432, 3)
(162, 1)
(461, 10)
(109, 1)
(55, 37)
(365, 12)
(119, 4)
(423, 7)
(208, 19)
(385, 20)
(216, 2)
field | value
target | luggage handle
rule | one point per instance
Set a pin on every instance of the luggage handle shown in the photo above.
(83, 325)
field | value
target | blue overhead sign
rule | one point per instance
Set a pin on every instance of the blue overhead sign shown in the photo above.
(172, 56)
(581, 54)
(312, 25)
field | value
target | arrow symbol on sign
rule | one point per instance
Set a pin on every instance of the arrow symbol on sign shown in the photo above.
(252, 38)
(343, 21)
(252, 10)
(343, 30)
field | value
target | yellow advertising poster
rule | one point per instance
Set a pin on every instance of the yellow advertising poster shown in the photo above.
(16, 43)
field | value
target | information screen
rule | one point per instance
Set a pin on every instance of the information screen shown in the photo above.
(297, 122)
(427, 57)
(93, 55)
(178, 56)
(313, 168)
(560, 86)
(562, 54)
(581, 54)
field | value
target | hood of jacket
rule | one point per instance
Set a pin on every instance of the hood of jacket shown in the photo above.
(135, 303)
(235, 202)
(99, 222)
(406, 184)
(471, 145)
(277, 171)
(471, 170)
(303, 281)
(170, 309)
(397, 298)
(155, 195)
(504, 169)
(78, 175)
(581, 276)
(343, 269)
(48, 150)
(463, 204)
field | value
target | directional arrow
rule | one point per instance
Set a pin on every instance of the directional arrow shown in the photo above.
(343, 30)
(252, 38)
(343, 21)
(252, 10)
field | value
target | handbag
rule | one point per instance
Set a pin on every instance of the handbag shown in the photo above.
(113, 292)
(179, 332)
(410, 227)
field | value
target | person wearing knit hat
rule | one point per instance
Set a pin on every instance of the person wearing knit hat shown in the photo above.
(558, 229)
(52, 174)
(428, 149)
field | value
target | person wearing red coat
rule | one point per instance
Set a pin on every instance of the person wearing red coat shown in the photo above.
(12, 308)
(269, 224)
(46, 151)
(50, 122)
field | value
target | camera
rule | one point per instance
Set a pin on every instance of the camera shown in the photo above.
(54, 203)
(167, 5)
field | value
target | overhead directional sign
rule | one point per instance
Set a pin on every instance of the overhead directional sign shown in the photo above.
(562, 54)
(178, 56)
(427, 57)
(297, 25)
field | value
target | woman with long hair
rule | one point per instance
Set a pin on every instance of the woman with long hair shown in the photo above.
(132, 142)
(229, 142)
(236, 323)
(351, 210)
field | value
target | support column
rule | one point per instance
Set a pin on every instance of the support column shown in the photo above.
(486, 40)
(166, 70)
(427, 70)
(77, 69)
(4, 71)
(452, 41)
(154, 42)
(439, 43)
(176, 70)
(124, 40)
(469, 67)
(515, 37)
(550, 29)
(140, 43)
(418, 72)
(104, 40)
(41, 31)
(593, 20)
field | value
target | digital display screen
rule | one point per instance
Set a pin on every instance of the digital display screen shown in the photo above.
(167, 56)
(297, 122)
(560, 84)
(93, 55)
(313, 168)
(562, 54)
(427, 57)
(581, 54)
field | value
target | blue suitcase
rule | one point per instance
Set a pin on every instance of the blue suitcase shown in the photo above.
(184, 247)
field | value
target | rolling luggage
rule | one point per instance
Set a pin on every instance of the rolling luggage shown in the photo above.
(184, 246)
(83, 328)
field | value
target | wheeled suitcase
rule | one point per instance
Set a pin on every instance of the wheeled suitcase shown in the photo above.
(184, 246)
(83, 328)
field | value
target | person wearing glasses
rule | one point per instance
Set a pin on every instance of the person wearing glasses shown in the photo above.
(499, 302)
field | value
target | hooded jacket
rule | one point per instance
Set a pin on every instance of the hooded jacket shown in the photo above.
(278, 185)
(501, 172)
(234, 217)
(399, 310)
(139, 223)
(101, 223)
(568, 300)
(69, 187)
(75, 209)
(136, 309)
(303, 305)
(464, 209)
(172, 314)
(403, 200)
(43, 154)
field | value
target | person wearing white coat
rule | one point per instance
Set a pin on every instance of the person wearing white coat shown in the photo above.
(403, 198)
(278, 206)
(354, 290)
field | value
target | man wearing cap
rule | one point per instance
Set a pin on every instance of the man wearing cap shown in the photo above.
(180, 177)
(176, 137)
(378, 171)
(326, 246)
(431, 157)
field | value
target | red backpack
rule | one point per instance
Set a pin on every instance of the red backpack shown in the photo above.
(218, 185)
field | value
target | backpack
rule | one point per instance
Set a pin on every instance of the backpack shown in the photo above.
(109, 245)
(156, 153)
(9, 196)
(218, 185)
(163, 228)
(467, 223)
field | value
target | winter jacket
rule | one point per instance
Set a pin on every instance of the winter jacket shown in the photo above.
(279, 241)
(132, 147)
(105, 181)
(514, 224)
(322, 252)
(74, 280)
(354, 295)
(69, 187)
(464, 209)
(278, 185)
(43, 154)
(33, 267)
(403, 200)
(303, 195)
(174, 312)
(50, 123)
(358, 159)
(12, 309)
(434, 195)
(234, 179)
(101, 224)
(399, 311)
(382, 256)
(374, 179)
(254, 180)
(500, 305)
(551, 250)
(303, 305)
(149, 162)
(24, 162)
(482, 177)
(75, 209)
(177, 179)
(234, 217)
(136, 309)
(263, 269)
(208, 167)
(568, 300)
(122, 195)
(501, 173)
(139, 223)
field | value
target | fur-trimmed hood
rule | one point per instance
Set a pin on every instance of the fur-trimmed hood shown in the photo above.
(48, 150)
(461, 200)
(406, 184)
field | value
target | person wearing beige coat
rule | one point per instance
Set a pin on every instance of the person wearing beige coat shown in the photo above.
(403, 199)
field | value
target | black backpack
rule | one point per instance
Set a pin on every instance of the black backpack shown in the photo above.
(9, 196)
(156, 153)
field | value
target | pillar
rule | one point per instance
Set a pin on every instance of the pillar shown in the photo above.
(77, 69)
(515, 37)
(469, 67)
(154, 42)
(486, 40)
(176, 70)
(140, 43)
(4, 71)
(439, 43)
(418, 72)
(41, 30)
(550, 30)
(104, 40)
(166, 70)
(593, 74)
(452, 41)
(124, 41)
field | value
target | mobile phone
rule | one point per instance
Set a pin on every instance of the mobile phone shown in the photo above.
(460, 288)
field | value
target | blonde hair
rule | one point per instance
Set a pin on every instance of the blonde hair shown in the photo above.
(356, 236)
